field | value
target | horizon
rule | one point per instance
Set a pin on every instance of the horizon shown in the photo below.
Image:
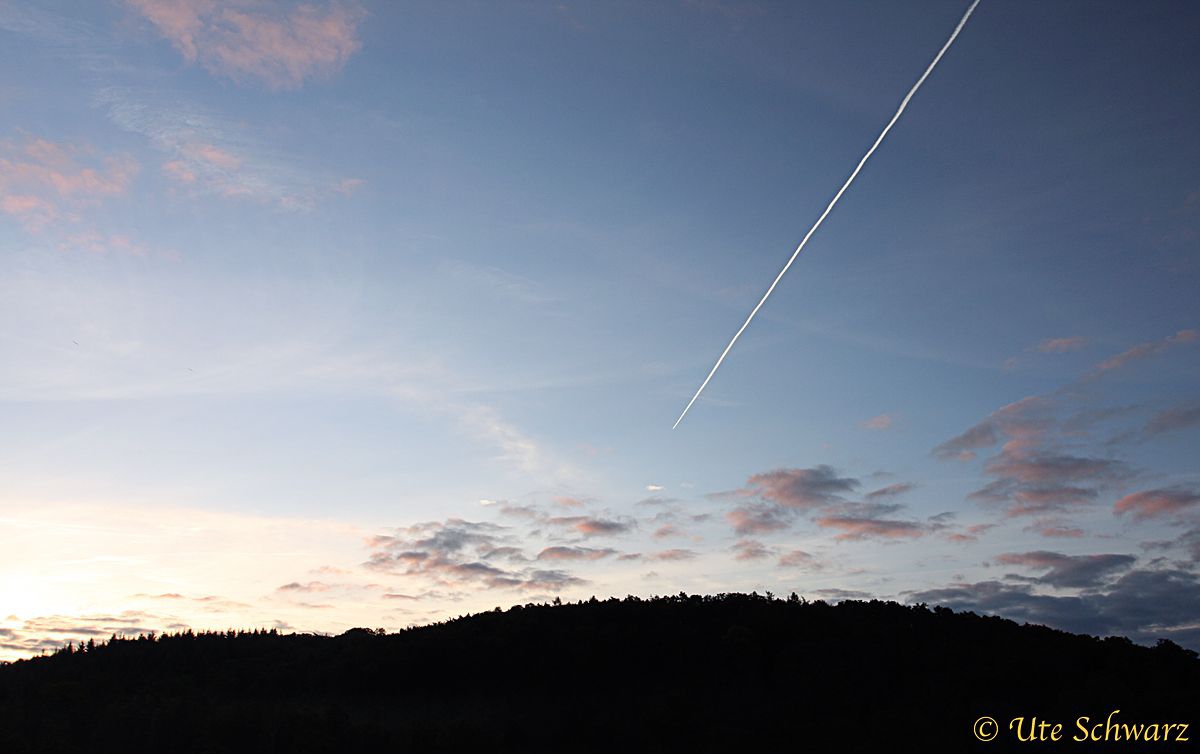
(316, 316)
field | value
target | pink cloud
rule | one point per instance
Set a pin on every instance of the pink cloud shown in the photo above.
(1143, 351)
(759, 519)
(42, 182)
(667, 530)
(798, 559)
(878, 423)
(95, 242)
(275, 46)
(869, 528)
(971, 534)
(179, 170)
(1062, 345)
(672, 555)
(592, 527)
(348, 186)
(214, 156)
(33, 212)
(800, 488)
(1155, 503)
(1019, 420)
(750, 549)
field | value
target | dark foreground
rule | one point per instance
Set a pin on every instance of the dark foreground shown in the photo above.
(735, 673)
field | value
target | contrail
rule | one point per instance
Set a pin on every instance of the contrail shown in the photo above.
(834, 201)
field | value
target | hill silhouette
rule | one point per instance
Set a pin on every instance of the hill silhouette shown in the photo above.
(731, 672)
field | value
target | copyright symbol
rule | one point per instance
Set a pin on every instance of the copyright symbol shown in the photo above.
(986, 728)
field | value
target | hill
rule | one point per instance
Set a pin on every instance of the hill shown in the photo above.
(730, 672)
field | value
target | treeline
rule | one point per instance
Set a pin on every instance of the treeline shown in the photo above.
(730, 672)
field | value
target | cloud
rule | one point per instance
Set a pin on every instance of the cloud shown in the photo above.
(672, 555)
(205, 155)
(1032, 475)
(550, 581)
(657, 500)
(1142, 604)
(667, 530)
(1049, 469)
(971, 534)
(817, 493)
(276, 46)
(1157, 503)
(750, 549)
(1188, 540)
(1144, 351)
(878, 423)
(1014, 418)
(799, 559)
(575, 553)
(1069, 570)
(1062, 345)
(800, 488)
(853, 528)
(44, 182)
(456, 553)
(1172, 420)
(592, 527)
(759, 519)
(311, 586)
(890, 491)
(839, 595)
(1055, 529)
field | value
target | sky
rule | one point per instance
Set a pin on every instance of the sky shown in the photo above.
(339, 314)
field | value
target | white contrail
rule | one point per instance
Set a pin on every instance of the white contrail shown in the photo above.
(838, 195)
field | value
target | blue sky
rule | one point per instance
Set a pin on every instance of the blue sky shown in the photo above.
(335, 314)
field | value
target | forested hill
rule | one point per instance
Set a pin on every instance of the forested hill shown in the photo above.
(733, 673)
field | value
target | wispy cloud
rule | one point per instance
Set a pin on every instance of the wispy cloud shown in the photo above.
(1144, 351)
(1173, 420)
(878, 423)
(799, 559)
(853, 528)
(276, 46)
(1069, 570)
(1156, 503)
(575, 553)
(206, 155)
(890, 491)
(1062, 345)
(43, 182)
